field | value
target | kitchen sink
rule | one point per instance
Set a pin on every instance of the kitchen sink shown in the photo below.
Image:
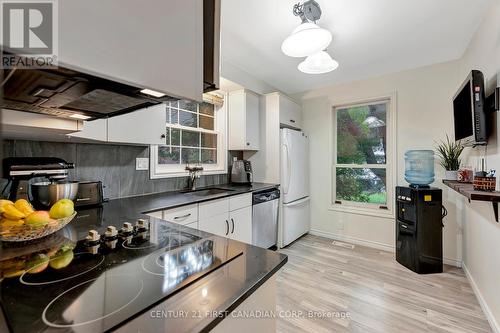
(208, 191)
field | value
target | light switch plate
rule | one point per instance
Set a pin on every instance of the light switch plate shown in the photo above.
(142, 163)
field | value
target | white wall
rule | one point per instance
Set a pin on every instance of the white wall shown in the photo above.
(424, 114)
(481, 243)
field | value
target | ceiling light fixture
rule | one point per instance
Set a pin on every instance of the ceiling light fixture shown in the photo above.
(306, 39)
(80, 116)
(152, 93)
(309, 40)
(318, 63)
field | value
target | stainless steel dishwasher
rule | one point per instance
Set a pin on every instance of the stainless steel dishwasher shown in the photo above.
(265, 218)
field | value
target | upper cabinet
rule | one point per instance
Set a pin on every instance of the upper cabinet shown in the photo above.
(146, 126)
(290, 112)
(149, 44)
(32, 126)
(244, 115)
(142, 127)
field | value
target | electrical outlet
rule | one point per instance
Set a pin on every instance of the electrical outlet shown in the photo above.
(142, 163)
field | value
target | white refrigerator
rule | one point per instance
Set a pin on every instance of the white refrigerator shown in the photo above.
(295, 184)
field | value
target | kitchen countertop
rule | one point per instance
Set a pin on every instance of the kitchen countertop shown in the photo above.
(189, 309)
(160, 201)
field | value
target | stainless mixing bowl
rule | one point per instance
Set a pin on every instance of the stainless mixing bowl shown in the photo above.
(47, 193)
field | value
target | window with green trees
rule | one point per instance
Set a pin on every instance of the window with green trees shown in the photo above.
(361, 161)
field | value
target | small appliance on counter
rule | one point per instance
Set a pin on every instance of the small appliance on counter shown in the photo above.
(241, 172)
(89, 194)
(419, 228)
(20, 172)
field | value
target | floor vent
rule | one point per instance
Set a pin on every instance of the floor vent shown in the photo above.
(345, 245)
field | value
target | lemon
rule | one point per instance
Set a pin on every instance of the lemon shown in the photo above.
(62, 208)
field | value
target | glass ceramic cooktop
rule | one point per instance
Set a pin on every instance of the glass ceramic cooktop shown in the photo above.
(95, 286)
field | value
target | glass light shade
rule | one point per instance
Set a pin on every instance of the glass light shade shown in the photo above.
(306, 39)
(318, 63)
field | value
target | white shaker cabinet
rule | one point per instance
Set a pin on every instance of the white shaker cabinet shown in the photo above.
(147, 44)
(244, 124)
(96, 130)
(241, 225)
(145, 126)
(218, 224)
(229, 217)
(290, 111)
(142, 127)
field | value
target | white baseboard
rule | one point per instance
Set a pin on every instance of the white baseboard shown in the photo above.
(372, 244)
(353, 240)
(453, 262)
(489, 315)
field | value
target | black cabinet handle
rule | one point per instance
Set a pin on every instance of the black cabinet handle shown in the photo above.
(292, 121)
(163, 136)
(232, 222)
(182, 217)
(227, 227)
(248, 143)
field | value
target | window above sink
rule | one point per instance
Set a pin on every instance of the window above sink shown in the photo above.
(195, 133)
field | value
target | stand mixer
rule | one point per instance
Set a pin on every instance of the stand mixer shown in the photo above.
(21, 170)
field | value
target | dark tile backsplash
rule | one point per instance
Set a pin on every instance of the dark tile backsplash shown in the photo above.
(114, 165)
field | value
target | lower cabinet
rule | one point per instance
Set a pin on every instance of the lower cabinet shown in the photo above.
(228, 217)
(236, 225)
(241, 225)
(218, 225)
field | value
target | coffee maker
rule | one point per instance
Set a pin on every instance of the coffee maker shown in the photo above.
(241, 172)
(20, 170)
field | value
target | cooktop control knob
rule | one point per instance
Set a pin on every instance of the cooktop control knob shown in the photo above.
(141, 225)
(127, 227)
(111, 232)
(93, 236)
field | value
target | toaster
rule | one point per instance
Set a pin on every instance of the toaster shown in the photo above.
(241, 172)
(89, 194)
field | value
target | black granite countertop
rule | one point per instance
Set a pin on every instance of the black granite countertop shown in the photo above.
(226, 287)
(160, 201)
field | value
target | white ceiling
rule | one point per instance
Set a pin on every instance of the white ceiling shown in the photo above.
(370, 37)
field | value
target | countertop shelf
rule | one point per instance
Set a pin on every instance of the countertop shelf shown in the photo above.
(467, 190)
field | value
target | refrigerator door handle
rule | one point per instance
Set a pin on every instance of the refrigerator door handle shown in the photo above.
(298, 202)
(288, 169)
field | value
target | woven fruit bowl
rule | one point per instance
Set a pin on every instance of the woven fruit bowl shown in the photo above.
(26, 232)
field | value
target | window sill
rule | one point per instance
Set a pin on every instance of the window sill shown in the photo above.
(186, 174)
(388, 214)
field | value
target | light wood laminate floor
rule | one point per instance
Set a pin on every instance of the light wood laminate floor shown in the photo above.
(379, 294)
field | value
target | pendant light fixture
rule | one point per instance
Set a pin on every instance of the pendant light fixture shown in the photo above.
(306, 39)
(318, 63)
(309, 40)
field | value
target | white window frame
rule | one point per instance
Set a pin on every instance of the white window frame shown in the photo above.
(390, 166)
(158, 171)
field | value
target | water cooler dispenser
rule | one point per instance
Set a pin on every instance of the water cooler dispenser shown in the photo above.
(419, 229)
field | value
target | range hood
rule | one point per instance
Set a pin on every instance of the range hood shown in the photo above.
(66, 93)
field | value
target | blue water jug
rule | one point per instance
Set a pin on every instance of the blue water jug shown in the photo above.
(419, 167)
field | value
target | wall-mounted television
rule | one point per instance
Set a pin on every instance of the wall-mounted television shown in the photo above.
(469, 111)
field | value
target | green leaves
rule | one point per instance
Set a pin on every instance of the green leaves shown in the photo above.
(449, 153)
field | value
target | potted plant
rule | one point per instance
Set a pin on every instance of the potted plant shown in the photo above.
(449, 154)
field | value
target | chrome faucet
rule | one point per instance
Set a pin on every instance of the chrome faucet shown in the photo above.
(194, 173)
